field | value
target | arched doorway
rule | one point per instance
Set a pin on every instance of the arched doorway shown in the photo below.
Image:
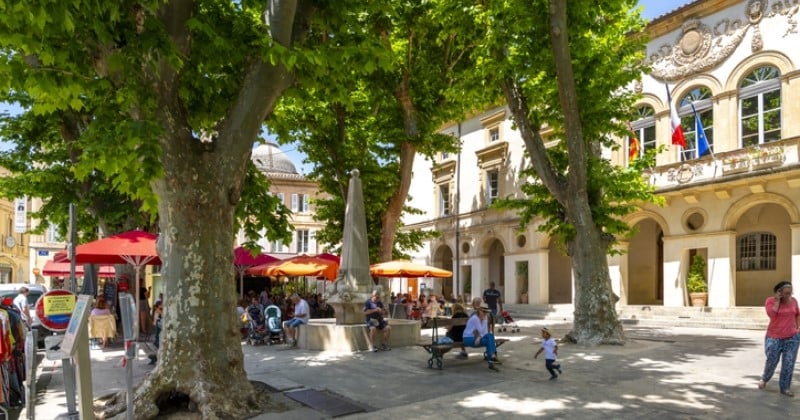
(497, 266)
(559, 276)
(645, 285)
(763, 253)
(444, 259)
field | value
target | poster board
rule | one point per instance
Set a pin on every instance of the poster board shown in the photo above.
(80, 317)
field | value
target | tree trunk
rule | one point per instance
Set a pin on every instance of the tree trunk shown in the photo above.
(596, 320)
(200, 359)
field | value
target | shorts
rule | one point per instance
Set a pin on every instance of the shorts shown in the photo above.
(375, 323)
(294, 323)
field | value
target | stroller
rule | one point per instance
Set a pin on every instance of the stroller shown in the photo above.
(257, 329)
(274, 327)
(506, 321)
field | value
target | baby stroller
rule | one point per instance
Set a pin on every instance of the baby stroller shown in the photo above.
(506, 321)
(257, 329)
(274, 327)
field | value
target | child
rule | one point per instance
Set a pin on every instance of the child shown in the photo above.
(550, 349)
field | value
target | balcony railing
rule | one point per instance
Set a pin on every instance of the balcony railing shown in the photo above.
(736, 162)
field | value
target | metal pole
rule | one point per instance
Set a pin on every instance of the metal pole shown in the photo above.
(72, 239)
(457, 268)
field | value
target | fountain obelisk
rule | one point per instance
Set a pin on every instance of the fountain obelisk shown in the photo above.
(353, 284)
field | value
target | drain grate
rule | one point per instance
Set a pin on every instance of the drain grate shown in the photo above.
(325, 402)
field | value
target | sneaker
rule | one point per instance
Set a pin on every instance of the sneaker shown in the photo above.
(493, 367)
(462, 355)
(558, 368)
(553, 378)
(374, 349)
(385, 347)
(496, 360)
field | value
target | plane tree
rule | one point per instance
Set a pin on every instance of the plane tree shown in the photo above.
(378, 116)
(565, 70)
(164, 101)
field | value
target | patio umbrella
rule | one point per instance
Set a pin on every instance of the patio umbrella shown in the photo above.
(61, 269)
(400, 268)
(134, 247)
(329, 256)
(301, 265)
(244, 259)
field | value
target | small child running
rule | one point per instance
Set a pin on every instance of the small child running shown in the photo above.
(550, 349)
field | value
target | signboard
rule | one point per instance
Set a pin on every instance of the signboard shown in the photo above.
(43, 253)
(79, 317)
(55, 309)
(20, 214)
(127, 309)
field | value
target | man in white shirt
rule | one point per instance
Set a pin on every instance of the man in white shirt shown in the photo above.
(21, 302)
(301, 315)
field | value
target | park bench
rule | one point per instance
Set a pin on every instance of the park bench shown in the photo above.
(438, 350)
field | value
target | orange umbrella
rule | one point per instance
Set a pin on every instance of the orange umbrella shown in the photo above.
(400, 268)
(301, 265)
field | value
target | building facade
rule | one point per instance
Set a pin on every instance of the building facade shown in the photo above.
(14, 240)
(297, 193)
(732, 65)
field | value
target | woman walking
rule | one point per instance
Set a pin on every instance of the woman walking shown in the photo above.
(781, 341)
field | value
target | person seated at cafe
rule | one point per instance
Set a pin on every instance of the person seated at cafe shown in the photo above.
(476, 334)
(431, 310)
(456, 332)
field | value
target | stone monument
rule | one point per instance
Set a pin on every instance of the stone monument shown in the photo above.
(353, 284)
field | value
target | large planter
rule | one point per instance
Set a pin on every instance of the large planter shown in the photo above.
(699, 298)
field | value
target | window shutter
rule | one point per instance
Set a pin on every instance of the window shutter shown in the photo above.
(294, 203)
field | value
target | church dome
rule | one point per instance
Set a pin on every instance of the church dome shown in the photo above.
(269, 158)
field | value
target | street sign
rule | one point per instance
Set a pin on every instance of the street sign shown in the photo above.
(55, 308)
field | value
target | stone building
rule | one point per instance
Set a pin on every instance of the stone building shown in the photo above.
(14, 240)
(297, 193)
(738, 64)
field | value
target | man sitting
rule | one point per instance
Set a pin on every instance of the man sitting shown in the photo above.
(301, 315)
(373, 310)
(476, 334)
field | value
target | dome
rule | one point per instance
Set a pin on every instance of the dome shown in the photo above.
(269, 158)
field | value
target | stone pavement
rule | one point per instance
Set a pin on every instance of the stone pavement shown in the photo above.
(661, 372)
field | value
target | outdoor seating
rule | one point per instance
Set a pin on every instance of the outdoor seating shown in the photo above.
(103, 327)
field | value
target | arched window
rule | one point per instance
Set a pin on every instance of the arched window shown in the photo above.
(644, 130)
(756, 251)
(760, 107)
(700, 98)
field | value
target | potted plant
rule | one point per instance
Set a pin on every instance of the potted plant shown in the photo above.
(696, 282)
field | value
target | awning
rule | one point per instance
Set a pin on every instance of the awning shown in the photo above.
(55, 269)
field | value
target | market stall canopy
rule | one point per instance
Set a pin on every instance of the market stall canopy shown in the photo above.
(301, 265)
(61, 269)
(400, 268)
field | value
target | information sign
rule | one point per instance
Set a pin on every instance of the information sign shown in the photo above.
(55, 308)
(80, 316)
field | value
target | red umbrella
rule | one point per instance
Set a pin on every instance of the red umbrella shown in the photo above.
(134, 247)
(301, 265)
(61, 269)
(244, 259)
(329, 256)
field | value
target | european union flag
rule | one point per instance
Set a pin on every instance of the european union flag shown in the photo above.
(703, 148)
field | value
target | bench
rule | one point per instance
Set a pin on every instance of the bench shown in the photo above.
(438, 350)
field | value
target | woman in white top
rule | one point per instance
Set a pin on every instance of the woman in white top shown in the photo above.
(476, 334)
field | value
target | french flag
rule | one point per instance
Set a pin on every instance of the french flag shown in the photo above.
(677, 130)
